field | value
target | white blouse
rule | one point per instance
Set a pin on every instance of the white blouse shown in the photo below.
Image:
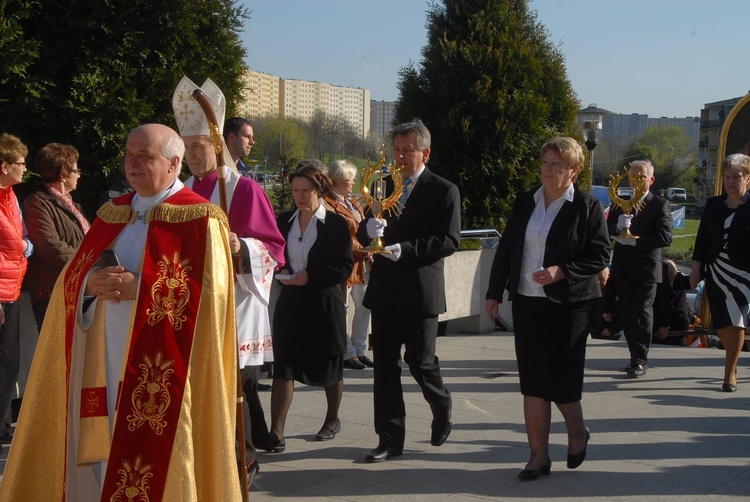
(536, 238)
(298, 245)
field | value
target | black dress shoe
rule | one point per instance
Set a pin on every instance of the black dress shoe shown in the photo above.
(366, 361)
(275, 445)
(354, 364)
(382, 453)
(576, 460)
(532, 474)
(252, 470)
(637, 371)
(727, 387)
(327, 433)
(441, 430)
(263, 387)
(630, 367)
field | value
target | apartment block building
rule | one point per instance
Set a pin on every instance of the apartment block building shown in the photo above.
(273, 96)
(691, 126)
(382, 114)
(621, 128)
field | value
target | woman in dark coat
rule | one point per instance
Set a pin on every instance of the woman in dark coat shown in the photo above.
(309, 322)
(554, 246)
(55, 223)
(721, 256)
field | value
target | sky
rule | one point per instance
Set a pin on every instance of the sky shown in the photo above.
(665, 58)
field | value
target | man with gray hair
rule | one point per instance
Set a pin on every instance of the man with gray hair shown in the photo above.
(136, 375)
(636, 264)
(406, 292)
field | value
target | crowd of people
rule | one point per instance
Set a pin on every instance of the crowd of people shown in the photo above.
(154, 318)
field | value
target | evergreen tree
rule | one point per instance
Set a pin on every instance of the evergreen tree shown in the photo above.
(98, 68)
(492, 89)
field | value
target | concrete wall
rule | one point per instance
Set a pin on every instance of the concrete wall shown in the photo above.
(466, 279)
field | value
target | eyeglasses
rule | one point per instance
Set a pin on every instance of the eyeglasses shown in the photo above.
(22, 164)
(75, 171)
(734, 179)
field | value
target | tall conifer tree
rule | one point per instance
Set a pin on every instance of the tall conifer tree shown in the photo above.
(492, 89)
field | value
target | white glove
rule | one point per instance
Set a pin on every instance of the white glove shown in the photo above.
(376, 227)
(625, 241)
(395, 250)
(623, 221)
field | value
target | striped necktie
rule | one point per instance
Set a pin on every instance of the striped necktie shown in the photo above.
(404, 195)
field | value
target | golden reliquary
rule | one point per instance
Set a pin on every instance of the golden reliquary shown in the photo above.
(374, 197)
(627, 205)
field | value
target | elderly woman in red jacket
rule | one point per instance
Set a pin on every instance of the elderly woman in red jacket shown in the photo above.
(15, 247)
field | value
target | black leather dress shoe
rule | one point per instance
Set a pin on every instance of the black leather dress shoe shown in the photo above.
(382, 453)
(576, 460)
(637, 371)
(354, 364)
(327, 433)
(532, 474)
(441, 430)
(366, 361)
(630, 367)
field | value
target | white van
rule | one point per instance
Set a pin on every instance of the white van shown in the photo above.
(676, 194)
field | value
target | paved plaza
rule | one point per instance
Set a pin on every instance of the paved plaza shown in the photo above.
(671, 436)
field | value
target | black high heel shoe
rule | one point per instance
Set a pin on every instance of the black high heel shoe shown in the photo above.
(275, 445)
(576, 460)
(532, 474)
(728, 387)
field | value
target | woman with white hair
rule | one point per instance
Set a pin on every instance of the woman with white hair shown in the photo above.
(339, 200)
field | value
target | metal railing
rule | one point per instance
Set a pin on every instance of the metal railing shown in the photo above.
(488, 237)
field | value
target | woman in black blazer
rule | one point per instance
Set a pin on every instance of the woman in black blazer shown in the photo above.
(721, 255)
(309, 322)
(554, 245)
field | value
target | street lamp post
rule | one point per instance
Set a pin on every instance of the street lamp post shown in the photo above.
(591, 120)
(591, 130)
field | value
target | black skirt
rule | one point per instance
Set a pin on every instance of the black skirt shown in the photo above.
(310, 369)
(550, 343)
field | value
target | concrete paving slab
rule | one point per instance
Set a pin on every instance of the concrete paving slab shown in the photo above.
(669, 436)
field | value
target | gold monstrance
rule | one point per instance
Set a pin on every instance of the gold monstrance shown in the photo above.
(627, 205)
(376, 201)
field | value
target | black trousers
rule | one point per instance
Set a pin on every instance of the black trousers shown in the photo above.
(256, 429)
(636, 303)
(10, 347)
(389, 332)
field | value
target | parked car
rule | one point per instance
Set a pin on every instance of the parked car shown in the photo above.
(674, 193)
(625, 192)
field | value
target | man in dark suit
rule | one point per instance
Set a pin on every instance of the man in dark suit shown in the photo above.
(636, 265)
(406, 292)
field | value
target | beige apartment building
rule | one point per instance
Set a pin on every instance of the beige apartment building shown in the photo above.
(272, 96)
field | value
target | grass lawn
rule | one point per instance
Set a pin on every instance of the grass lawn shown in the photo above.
(683, 240)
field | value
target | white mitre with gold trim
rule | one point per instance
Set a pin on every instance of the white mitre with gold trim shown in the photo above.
(191, 120)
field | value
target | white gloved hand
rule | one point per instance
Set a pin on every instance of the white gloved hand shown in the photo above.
(625, 241)
(623, 221)
(376, 227)
(395, 250)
